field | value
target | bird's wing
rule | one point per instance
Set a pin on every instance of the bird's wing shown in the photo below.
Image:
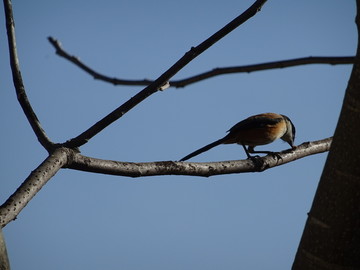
(254, 122)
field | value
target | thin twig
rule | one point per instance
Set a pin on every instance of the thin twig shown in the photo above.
(131, 169)
(18, 82)
(96, 75)
(154, 86)
(332, 60)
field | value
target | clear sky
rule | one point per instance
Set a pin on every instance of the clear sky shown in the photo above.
(242, 221)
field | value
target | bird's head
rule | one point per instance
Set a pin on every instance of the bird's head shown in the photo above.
(289, 135)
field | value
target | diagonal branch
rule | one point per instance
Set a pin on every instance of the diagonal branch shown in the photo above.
(332, 60)
(89, 164)
(32, 185)
(159, 82)
(18, 82)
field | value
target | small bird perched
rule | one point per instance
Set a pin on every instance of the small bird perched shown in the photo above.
(255, 130)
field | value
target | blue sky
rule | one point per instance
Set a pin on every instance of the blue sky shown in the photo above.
(244, 221)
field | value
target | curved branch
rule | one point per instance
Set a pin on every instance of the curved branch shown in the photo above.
(164, 78)
(96, 75)
(332, 60)
(18, 82)
(32, 185)
(131, 169)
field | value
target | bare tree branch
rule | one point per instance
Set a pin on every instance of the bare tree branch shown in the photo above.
(165, 77)
(332, 60)
(60, 154)
(69, 158)
(18, 82)
(89, 164)
(65, 155)
(32, 185)
(97, 76)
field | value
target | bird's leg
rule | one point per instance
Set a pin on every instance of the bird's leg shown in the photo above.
(246, 151)
(261, 152)
(251, 150)
(256, 159)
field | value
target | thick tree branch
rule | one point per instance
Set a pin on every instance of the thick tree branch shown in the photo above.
(332, 60)
(68, 158)
(4, 258)
(32, 185)
(18, 82)
(159, 82)
(331, 237)
(89, 164)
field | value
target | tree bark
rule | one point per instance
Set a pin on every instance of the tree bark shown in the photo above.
(4, 259)
(331, 238)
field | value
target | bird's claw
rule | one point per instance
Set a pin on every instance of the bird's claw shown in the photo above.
(258, 161)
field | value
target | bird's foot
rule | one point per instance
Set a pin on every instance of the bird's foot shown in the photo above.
(258, 162)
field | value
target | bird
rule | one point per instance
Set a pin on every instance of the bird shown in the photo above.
(255, 130)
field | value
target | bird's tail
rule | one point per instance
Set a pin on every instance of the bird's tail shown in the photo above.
(203, 149)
